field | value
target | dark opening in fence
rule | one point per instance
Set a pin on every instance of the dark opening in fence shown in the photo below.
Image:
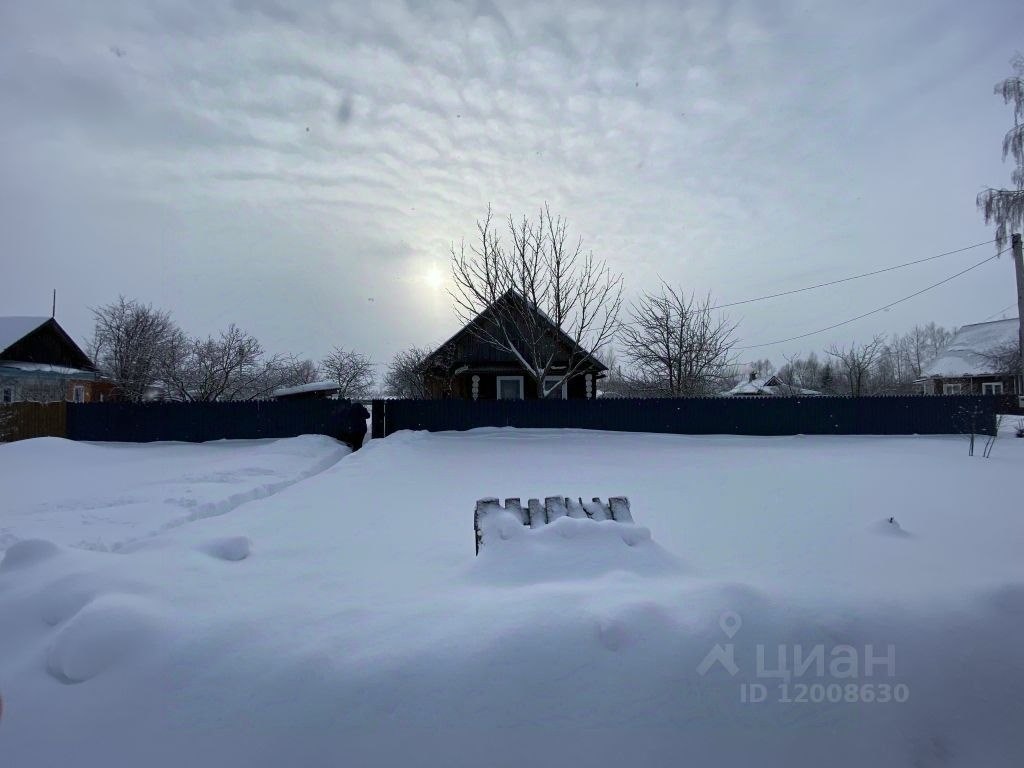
(198, 422)
(888, 415)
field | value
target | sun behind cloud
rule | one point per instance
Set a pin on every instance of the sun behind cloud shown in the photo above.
(433, 277)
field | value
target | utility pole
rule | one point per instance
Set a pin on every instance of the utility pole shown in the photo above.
(1018, 264)
(53, 310)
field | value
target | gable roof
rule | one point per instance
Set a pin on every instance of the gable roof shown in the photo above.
(561, 335)
(969, 351)
(767, 385)
(15, 329)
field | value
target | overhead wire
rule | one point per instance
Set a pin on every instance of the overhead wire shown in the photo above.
(852, 277)
(878, 309)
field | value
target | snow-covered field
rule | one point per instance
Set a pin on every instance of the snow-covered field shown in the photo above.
(107, 495)
(344, 620)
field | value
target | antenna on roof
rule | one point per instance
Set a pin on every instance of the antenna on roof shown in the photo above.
(53, 311)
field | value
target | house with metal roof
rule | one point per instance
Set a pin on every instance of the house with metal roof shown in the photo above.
(981, 358)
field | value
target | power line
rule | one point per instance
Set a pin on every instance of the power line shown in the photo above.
(1008, 306)
(879, 309)
(852, 277)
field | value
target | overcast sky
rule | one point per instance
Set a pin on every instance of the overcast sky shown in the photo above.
(301, 168)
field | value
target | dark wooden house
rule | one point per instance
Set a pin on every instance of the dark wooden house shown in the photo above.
(468, 367)
(40, 362)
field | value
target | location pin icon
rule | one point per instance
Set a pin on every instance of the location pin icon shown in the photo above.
(730, 622)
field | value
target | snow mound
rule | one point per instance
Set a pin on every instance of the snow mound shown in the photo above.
(23, 554)
(568, 549)
(231, 548)
(104, 632)
(64, 598)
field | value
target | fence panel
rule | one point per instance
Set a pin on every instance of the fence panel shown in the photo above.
(885, 415)
(199, 422)
(21, 421)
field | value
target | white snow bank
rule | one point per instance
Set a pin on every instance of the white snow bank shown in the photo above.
(364, 631)
(105, 495)
(567, 549)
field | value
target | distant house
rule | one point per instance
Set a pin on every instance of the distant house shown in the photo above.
(316, 390)
(468, 367)
(976, 361)
(40, 362)
(760, 386)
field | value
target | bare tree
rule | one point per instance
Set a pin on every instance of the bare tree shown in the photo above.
(231, 366)
(1005, 207)
(305, 372)
(352, 371)
(405, 377)
(924, 343)
(616, 382)
(1005, 358)
(129, 341)
(802, 373)
(674, 345)
(762, 368)
(510, 294)
(857, 363)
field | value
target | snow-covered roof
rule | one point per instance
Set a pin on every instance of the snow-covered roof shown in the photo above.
(45, 368)
(969, 353)
(316, 386)
(14, 328)
(767, 385)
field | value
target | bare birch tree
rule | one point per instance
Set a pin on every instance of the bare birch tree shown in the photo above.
(510, 294)
(1005, 207)
(675, 345)
(352, 371)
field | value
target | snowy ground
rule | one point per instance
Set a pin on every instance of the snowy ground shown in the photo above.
(106, 495)
(344, 620)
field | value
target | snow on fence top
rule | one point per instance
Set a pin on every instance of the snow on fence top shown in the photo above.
(535, 515)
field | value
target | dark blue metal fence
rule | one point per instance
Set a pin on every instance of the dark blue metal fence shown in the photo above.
(887, 415)
(198, 422)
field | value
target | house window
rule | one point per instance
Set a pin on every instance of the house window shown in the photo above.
(952, 388)
(550, 381)
(510, 387)
(79, 393)
(8, 395)
(992, 388)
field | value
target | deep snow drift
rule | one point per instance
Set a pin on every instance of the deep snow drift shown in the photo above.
(344, 620)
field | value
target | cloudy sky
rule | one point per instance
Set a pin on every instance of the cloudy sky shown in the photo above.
(301, 168)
